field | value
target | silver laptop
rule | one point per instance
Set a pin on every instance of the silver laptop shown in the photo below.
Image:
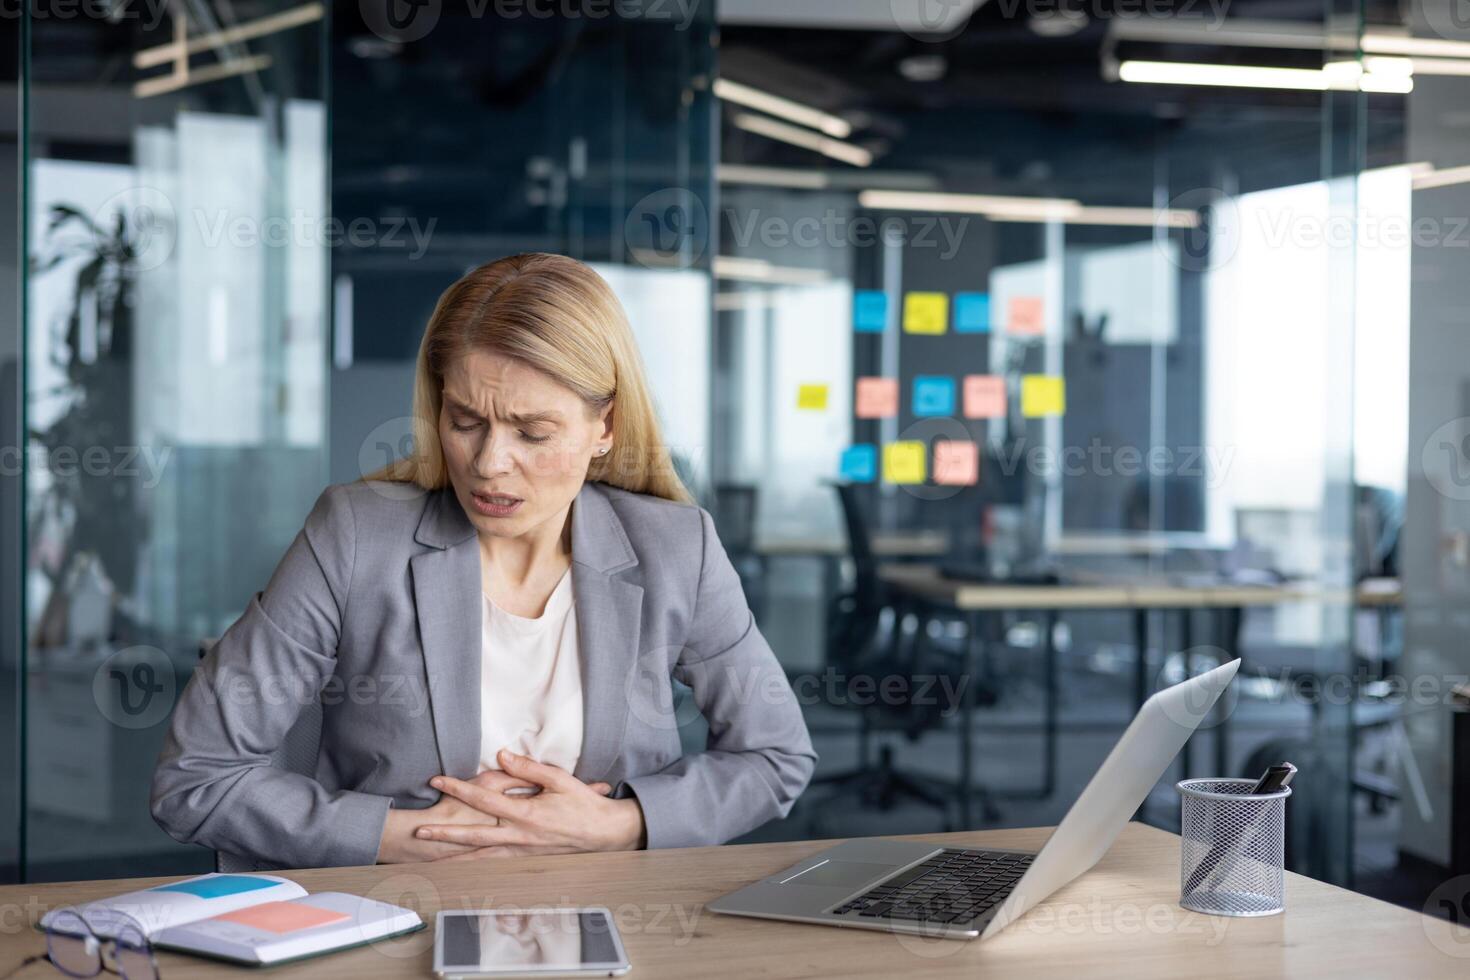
(914, 887)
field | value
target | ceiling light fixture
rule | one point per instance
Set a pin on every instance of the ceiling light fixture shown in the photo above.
(805, 138)
(788, 109)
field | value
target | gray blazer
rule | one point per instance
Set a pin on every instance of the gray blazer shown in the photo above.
(374, 615)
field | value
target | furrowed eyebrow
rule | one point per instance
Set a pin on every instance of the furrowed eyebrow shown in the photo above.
(535, 418)
(530, 418)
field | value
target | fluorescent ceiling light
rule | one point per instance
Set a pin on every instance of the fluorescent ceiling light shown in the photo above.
(1291, 35)
(1028, 209)
(775, 105)
(1436, 66)
(1037, 208)
(1335, 75)
(805, 138)
(759, 270)
(739, 173)
(1429, 47)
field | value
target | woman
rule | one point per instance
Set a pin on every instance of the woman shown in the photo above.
(491, 624)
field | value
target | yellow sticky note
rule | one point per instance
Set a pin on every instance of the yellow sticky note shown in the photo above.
(903, 462)
(812, 398)
(925, 313)
(1042, 394)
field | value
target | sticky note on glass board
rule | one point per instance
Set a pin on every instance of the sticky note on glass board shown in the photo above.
(876, 398)
(956, 463)
(903, 462)
(869, 311)
(925, 313)
(1024, 316)
(859, 463)
(985, 396)
(1042, 395)
(933, 395)
(972, 312)
(811, 398)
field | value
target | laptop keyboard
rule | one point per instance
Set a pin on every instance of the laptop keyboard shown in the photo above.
(951, 886)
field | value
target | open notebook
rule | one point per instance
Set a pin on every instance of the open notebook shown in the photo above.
(249, 918)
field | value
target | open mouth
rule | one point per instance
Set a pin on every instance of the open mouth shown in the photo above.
(496, 504)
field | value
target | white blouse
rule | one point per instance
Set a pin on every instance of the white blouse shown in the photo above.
(531, 682)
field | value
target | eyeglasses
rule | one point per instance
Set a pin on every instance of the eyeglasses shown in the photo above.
(74, 948)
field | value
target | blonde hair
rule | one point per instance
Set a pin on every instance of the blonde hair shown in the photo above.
(558, 316)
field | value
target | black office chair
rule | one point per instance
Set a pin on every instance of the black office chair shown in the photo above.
(298, 753)
(863, 642)
(735, 510)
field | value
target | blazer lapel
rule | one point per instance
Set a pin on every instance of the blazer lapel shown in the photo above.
(609, 618)
(446, 588)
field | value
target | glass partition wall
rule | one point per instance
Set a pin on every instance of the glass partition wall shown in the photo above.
(174, 383)
(237, 220)
(1089, 299)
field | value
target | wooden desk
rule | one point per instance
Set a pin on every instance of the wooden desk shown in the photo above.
(1122, 918)
(885, 544)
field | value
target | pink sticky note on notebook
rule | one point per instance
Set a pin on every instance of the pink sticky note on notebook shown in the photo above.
(283, 916)
(985, 396)
(877, 398)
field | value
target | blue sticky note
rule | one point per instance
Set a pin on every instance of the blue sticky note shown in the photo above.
(869, 311)
(972, 312)
(860, 463)
(933, 395)
(218, 885)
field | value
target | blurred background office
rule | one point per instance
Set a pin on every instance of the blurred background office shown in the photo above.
(1030, 355)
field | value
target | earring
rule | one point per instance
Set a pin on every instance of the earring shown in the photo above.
(602, 451)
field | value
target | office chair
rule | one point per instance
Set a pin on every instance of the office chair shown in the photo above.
(735, 512)
(297, 754)
(860, 645)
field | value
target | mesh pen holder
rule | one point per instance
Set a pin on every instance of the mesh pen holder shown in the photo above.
(1233, 850)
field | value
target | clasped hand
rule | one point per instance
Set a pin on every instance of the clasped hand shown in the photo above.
(477, 818)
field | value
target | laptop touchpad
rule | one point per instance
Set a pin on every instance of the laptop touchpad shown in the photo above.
(841, 874)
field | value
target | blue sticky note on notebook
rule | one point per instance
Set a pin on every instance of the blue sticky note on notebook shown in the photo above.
(860, 463)
(972, 312)
(933, 395)
(869, 311)
(218, 885)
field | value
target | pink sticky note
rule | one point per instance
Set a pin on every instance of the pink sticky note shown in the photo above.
(956, 464)
(1023, 316)
(282, 916)
(985, 396)
(877, 398)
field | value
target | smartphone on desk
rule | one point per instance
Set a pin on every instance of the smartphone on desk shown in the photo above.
(539, 942)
